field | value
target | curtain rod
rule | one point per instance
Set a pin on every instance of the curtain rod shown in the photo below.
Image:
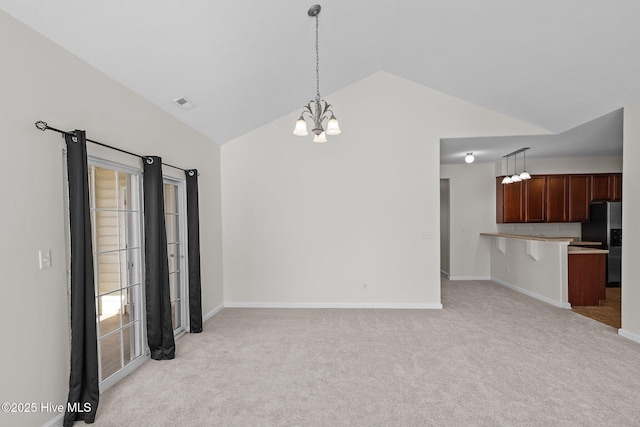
(44, 126)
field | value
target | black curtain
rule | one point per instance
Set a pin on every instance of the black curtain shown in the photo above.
(159, 327)
(193, 227)
(84, 393)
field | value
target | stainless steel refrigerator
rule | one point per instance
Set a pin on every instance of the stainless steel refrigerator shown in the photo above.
(605, 226)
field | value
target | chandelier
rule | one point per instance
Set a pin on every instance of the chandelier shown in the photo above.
(317, 109)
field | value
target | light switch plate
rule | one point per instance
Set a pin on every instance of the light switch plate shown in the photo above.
(45, 259)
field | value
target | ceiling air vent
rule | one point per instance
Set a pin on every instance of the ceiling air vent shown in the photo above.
(184, 103)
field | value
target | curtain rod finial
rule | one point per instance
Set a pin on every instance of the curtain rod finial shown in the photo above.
(42, 125)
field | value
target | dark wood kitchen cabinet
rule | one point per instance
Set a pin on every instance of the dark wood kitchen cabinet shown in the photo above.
(521, 201)
(602, 187)
(555, 198)
(509, 202)
(617, 187)
(587, 278)
(535, 190)
(557, 206)
(579, 197)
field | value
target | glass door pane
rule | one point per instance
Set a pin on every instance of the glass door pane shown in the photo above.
(172, 203)
(116, 230)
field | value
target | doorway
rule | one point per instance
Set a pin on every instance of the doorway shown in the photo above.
(445, 221)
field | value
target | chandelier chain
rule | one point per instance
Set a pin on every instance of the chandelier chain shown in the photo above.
(317, 64)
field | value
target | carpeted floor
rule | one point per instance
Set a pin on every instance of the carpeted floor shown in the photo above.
(491, 357)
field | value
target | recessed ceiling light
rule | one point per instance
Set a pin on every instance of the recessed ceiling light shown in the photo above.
(184, 103)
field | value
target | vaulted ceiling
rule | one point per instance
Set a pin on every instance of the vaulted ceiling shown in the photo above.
(243, 63)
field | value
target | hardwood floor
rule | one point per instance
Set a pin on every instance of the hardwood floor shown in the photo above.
(608, 312)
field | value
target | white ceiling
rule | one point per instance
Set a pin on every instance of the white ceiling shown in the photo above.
(554, 64)
(601, 137)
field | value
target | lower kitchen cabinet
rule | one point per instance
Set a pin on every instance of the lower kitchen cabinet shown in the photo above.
(587, 278)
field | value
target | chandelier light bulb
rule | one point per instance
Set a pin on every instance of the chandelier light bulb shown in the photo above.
(469, 158)
(516, 178)
(525, 175)
(333, 128)
(320, 138)
(301, 127)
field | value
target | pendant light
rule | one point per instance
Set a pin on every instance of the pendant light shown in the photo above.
(525, 175)
(507, 178)
(317, 109)
(515, 177)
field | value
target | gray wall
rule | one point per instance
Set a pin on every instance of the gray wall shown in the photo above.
(41, 81)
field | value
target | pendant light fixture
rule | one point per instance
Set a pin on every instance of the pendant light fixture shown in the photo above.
(507, 178)
(515, 177)
(525, 175)
(317, 109)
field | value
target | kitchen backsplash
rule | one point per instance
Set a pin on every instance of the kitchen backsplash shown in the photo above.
(571, 229)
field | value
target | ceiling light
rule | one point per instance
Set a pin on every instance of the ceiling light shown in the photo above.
(469, 158)
(320, 138)
(317, 109)
(516, 177)
(525, 175)
(507, 178)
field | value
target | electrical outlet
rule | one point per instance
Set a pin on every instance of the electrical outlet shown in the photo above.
(365, 286)
(508, 269)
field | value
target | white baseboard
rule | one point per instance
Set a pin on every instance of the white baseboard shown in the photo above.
(629, 335)
(330, 305)
(558, 304)
(56, 421)
(212, 313)
(453, 278)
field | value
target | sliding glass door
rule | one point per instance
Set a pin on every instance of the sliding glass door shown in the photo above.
(116, 230)
(174, 208)
(115, 198)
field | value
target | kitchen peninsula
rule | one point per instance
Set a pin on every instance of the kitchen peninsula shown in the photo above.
(541, 267)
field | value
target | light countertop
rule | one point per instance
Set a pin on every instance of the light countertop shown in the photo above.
(578, 250)
(530, 237)
(576, 247)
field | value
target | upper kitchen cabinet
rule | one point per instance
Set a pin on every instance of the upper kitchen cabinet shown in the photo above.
(522, 201)
(509, 202)
(617, 187)
(535, 190)
(557, 200)
(602, 187)
(579, 197)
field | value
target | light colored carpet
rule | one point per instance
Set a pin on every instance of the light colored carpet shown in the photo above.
(491, 357)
